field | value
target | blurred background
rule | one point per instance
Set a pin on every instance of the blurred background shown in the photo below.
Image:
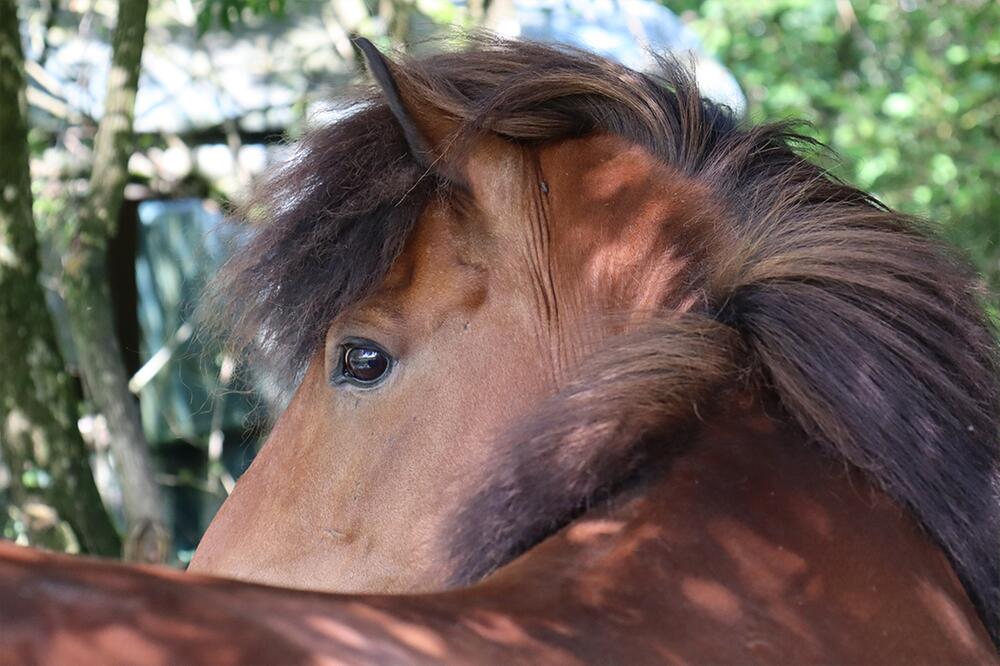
(122, 429)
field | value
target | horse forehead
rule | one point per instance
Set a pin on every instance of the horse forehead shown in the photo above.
(607, 205)
(596, 168)
(441, 267)
(624, 222)
(601, 168)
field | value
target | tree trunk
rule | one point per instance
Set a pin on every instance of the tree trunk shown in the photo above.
(88, 297)
(38, 431)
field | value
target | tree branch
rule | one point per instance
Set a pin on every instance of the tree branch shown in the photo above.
(88, 295)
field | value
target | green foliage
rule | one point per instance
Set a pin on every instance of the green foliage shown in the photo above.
(904, 91)
(227, 13)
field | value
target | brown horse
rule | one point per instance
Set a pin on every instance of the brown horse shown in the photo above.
(590, 372)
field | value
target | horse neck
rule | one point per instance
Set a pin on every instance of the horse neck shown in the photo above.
(750, 528)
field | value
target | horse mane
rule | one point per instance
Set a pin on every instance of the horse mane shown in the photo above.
(870, 332)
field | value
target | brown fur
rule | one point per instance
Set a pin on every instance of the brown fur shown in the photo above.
(870, 334)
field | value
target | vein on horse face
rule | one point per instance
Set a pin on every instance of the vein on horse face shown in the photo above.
(540, 261)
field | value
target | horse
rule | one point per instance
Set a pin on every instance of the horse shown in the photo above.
(586, 371)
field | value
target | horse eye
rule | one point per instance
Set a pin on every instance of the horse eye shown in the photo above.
(364, 363)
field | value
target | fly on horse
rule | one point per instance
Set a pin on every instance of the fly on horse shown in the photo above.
(587, 371)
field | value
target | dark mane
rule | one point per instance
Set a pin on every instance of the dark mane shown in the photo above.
(870, 333)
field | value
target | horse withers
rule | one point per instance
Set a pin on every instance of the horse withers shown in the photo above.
(588, 372)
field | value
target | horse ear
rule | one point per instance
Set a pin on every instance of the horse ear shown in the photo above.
(425, 129)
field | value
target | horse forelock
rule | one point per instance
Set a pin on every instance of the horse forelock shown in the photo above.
(871, 334)
(318, 235)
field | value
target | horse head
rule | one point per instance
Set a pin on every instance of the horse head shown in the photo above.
(511, 281)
